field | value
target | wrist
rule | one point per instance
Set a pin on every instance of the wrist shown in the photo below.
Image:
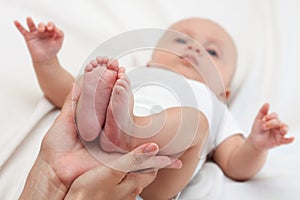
(249, 142)
(50, 61)
(42, 183)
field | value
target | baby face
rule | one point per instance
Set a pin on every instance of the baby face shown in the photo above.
(214, 40)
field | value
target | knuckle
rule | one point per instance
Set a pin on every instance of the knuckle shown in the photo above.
(136, 159)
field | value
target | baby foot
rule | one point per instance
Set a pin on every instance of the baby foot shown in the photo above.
(119, 117)
(98, 80)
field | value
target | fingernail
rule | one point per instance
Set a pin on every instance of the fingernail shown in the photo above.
(177, 164)
(151, 148)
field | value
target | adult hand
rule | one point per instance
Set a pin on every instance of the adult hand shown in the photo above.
(63, 158)
(108, 183)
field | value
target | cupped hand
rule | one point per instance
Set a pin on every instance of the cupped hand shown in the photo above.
(108, 183)
(64, 152)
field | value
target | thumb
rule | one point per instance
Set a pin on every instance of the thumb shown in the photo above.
(139, 155)
(142, 158)
(69, 106)
(131, 160)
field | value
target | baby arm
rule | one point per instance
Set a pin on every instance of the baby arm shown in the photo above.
(241, 159)
(43, 43)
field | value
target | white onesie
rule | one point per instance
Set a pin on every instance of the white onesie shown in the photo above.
(156, 89)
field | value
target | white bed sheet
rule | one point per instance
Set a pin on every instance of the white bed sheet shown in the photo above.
(266, 33)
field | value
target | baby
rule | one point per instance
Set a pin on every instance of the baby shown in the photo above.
(240, 158)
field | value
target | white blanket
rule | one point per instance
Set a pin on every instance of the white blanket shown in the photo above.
(266, 33)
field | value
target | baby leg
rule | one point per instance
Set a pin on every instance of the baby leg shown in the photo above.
(183, 131)
(174, 129)
(98, 80)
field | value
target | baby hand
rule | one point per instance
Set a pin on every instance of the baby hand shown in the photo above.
(43, 41)
(268, 131)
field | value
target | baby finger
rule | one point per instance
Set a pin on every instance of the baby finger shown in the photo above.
(41, 27)
(50, 26)
(274, 123)
(287, 140)
(283, 129)
(270, 116)
(30, 24)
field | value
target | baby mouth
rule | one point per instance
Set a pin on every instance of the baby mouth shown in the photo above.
(190, 59)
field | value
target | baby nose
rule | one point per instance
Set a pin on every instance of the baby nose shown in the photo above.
(190, 47)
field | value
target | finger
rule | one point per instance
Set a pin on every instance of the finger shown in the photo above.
(41, 27)
(133, 159)
(158, 162)
(59, 32)
(120, 167)
(272, 124)
(289, 140)
(283, 129)
(133, 184)
(153, 163)
(30, 24)
(176, 164)
(268, 117)
(71, 101)
(263, 111)
(19, 26)
(75, 96)
(50, 26)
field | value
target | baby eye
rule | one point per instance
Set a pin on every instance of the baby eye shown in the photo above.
(180, 40)
(212, 52)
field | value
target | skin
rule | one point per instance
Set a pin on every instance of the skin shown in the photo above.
(43, 42)
(214, 40)
(239, 158)
(98, 81)
(63, 167)
(52, 171)
(189, 124)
